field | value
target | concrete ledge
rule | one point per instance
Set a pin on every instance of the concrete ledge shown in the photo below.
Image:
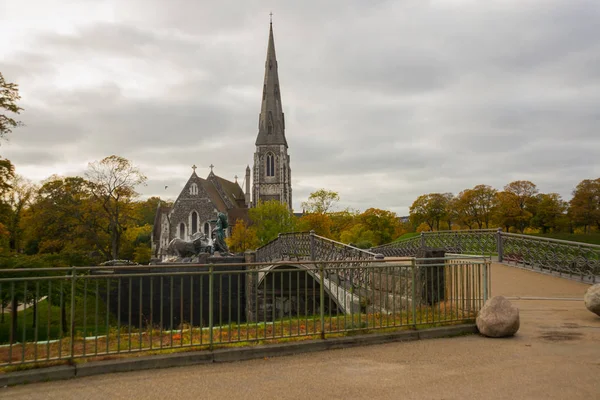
(448, 331)
(142, 363)
(37, 375)
(372, 339)
(271, 350)
(227, 355)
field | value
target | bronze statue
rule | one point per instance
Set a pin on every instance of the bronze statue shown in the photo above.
(219, 234)
(181, 248)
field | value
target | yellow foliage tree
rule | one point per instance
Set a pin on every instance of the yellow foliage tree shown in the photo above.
(242, 238)
(320, 223)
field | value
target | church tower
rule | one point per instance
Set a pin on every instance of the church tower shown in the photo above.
(271, 173)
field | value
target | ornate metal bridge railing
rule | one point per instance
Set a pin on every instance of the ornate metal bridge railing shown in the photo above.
(307, 246)
(571, 259)
(479, 241)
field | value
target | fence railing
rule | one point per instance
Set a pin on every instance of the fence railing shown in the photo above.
(569, 259)
(68, 313)
(309, 246)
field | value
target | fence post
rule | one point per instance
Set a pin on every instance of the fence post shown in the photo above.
(312, 245)
(321, 298)
(210, 307)
(72, 328)
(422, 239)
(414, 293)
(499, 244)
(486, 266)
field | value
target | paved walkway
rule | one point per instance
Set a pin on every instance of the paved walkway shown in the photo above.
(555, 355)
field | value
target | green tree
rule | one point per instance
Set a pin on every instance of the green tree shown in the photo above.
(384, 224)
(342, 221)
(584, 207)
(271, 218)
(114, 180)
(9, 95)
(358, 235)
(145, 211)
(320, 201)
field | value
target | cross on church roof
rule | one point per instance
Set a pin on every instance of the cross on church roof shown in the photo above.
(271, 16)
(211, 167)
(194, 167)
(236, 178)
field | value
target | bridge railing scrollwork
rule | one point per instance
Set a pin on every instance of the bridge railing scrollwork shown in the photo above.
(299, 246)
(572, 259)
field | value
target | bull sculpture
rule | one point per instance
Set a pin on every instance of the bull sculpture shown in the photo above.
(181, 248)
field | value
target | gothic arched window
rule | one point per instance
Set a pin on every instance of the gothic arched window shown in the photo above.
(182, 231)
(194, 222)
(206, 228)
(193, 188)
(270, 164)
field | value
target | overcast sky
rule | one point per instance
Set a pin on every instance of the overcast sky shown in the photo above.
(384, 100)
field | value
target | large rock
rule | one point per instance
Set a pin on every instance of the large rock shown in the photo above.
(592, 299)
(498, 318)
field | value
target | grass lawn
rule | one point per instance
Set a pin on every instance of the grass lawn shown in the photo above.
(407, 235)
(49, 324)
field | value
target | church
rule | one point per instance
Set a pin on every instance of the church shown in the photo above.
(195, 209)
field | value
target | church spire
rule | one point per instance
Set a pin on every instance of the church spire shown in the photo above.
(271, 123)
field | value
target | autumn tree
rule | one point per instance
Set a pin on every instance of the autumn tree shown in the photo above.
(476, 207)
(549, 211)
(17, 198)
(9, 95)
(516, 204)
(431, 209)
(319, 223)
(113, 183)
(320, 201)
(242, 238)
(584, 207)
(7, 173)
(65, 217)
(271, 218)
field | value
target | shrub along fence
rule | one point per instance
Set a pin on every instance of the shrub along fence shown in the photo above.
(51, 314)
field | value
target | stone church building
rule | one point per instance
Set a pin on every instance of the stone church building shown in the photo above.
(201, 199)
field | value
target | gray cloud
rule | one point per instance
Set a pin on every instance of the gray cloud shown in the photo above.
(383, 102)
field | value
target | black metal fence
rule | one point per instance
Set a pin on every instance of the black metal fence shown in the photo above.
(53, 314)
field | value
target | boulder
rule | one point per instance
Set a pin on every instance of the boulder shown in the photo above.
(592, 299)
(498, 318)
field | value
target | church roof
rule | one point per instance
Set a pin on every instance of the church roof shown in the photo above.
(224, 194)
(271, 124)
(231, 189)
